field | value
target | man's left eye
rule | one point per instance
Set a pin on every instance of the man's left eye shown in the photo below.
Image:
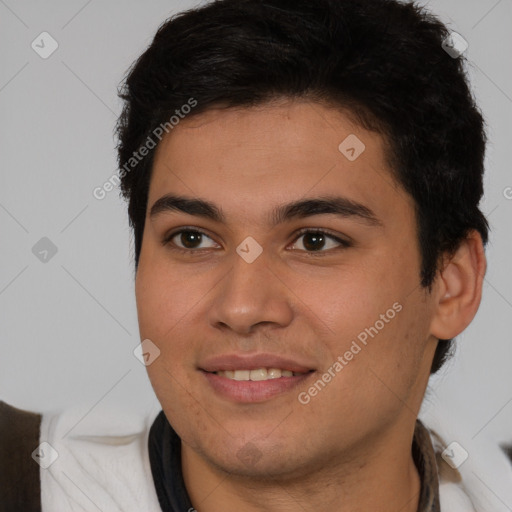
(318, 241)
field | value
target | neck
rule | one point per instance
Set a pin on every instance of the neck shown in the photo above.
(382, 479)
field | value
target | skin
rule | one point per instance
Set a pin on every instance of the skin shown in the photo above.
(349, 448)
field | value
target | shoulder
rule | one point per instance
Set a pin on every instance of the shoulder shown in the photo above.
(19, 438)
(99, 460)
(475, 471)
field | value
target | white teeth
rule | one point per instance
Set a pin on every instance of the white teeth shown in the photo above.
(258, 374)
(274, 373)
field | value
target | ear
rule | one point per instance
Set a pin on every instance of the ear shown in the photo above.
(459, 288)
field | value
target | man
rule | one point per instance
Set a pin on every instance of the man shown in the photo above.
(303, 182)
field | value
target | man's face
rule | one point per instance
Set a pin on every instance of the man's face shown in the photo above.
(303, 304)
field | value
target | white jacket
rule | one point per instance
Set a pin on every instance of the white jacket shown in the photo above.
(103, 464)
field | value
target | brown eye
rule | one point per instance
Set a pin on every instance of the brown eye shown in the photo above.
(314, 241)
(188, 240)
(319, 241)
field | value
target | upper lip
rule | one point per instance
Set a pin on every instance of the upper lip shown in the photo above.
(252, 362)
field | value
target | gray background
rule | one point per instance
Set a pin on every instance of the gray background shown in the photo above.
(69, 326)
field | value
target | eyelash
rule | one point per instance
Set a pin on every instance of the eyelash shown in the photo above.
(344, 244)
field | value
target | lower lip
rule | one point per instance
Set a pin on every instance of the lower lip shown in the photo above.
(249, 391)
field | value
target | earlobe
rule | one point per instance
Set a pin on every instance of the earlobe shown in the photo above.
(459, 289)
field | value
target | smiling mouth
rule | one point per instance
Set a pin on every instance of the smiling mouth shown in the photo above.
(255, 384)
(258, 374)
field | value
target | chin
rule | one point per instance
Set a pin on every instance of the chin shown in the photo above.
(260, 458)
(252, 463)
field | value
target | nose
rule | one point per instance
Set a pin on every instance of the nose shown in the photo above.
(250, 296)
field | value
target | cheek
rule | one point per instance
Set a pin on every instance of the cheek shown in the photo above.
(175, 392)
(163, 301)
(165, 296)
(162, 311)
(377, 311)
(352, 298)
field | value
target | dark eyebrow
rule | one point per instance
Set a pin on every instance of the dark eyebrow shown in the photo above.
(198, 207)
(334, 205)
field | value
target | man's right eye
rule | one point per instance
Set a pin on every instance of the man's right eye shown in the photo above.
(186, 240)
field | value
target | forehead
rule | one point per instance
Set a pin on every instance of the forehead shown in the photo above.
(247, 159)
